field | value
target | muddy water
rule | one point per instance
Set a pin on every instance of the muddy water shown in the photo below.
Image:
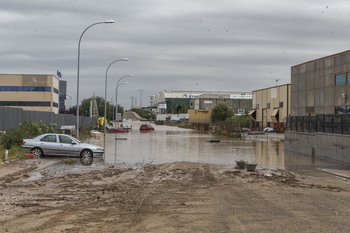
(170, 144)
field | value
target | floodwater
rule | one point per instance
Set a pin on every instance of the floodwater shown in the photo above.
(171, 144)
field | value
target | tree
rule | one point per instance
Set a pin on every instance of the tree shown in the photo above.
(181, 109)
(85, 107)
(220, 113)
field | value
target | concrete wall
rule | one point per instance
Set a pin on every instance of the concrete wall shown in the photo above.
(12, 117)
(329, 146)
(199, 116)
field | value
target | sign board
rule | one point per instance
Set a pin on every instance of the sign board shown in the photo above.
(68, 127)
(162, 106)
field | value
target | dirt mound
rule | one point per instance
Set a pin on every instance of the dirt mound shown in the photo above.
(178, 197)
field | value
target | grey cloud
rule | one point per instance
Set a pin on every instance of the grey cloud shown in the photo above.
(171, 44)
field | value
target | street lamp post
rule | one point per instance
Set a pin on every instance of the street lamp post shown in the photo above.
(116, 89)
(105, 114)
(107, 21)
(116, 96)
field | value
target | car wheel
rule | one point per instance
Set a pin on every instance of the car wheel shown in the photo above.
(86, 157)
(86, 161)
(38, 152)
(86, 154)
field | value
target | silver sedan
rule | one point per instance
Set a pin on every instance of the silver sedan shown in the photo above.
(60, 144)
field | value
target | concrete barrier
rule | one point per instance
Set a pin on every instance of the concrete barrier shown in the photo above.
(329, 146)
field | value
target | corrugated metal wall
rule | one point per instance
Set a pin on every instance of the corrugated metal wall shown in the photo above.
(12, 117)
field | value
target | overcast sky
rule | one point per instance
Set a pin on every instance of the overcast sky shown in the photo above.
(171, 44)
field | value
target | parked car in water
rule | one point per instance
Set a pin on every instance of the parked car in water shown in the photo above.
(60, 144)
(146, 127)
(269, 129)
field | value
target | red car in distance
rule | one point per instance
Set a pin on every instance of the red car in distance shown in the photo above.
(146, 127)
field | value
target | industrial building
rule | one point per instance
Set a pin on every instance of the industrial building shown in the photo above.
(322, 86)
(319, 124)
(30, 92)
(239, 102)
(271, 106)
(174, 99)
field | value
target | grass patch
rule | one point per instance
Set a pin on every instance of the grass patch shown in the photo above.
(16, 153)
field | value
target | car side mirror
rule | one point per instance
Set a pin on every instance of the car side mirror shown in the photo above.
(74, 142)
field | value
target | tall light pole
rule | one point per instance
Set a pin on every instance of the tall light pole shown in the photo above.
(132, 101)
(141, 90)
(116, 96)
(105, 119)
(107, 21)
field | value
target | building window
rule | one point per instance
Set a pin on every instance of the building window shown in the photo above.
(19, 88)
(55, 105)
(257, 106)
(26, 103)
(340, 79)
(268, 105)
(341, 109)
(281, 105)
(55, 90)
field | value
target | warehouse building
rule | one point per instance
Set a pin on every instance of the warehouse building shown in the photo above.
(174, 99)
(319, 124)
(239, 102)
(30, 92)
(322, 86)
(271, 107)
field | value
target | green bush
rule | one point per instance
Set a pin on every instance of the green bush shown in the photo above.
(236, 123)
(16, 152)
(2, 154)
(221, 112)
(15, 136)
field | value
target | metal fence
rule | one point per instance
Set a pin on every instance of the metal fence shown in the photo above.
(333, 124)
(12, 117)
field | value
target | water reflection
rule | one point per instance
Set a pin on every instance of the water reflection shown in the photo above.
(169, 144)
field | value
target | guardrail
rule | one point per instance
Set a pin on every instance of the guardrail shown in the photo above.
(322, 123)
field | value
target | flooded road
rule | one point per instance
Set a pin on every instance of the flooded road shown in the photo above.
(171, 144)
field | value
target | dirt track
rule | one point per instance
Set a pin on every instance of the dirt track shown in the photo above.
(180, 197)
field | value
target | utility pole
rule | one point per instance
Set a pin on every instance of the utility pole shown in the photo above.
(132, 101)
(141, 90)
(151, 103)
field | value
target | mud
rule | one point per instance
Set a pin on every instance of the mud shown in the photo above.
(176, 197)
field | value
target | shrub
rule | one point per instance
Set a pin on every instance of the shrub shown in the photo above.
(2, 154)
(236, 123)
(15, 136)
(221, 112)
(16, 152)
